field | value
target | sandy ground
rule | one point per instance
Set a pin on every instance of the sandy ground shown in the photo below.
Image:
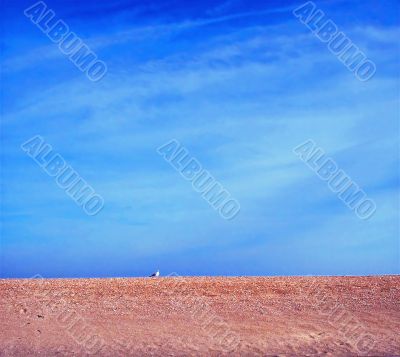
(290, 316)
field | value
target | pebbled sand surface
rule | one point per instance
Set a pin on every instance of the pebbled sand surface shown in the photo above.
(218, 316)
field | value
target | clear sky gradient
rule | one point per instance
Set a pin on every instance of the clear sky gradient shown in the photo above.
(239, 84)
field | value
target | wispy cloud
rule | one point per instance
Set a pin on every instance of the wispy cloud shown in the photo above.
(240, 89)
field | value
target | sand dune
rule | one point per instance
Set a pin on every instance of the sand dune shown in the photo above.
(290, 316)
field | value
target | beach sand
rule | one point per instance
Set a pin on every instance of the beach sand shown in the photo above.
(205, 316)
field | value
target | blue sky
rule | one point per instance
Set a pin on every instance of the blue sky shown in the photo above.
(240, 85)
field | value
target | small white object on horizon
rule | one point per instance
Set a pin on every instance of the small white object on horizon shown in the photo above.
(156, 274)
